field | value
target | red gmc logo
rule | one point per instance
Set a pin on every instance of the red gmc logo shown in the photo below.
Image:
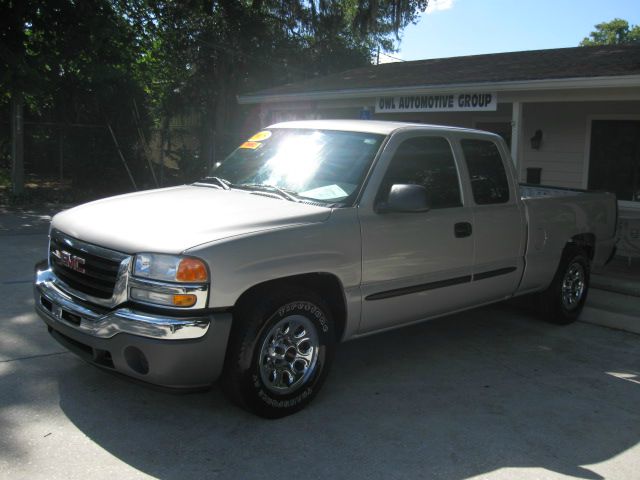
(70, 261)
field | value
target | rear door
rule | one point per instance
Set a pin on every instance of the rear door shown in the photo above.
(415, 265)
(498, 217)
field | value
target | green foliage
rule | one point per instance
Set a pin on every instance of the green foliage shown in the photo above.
(74, 57)
(196, 57)
(95, 62)
(73, 64)
(5, 178)
(615, 32)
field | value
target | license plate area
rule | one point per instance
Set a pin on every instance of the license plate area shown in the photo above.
(59, 312)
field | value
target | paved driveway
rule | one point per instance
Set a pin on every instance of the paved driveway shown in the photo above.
(491, 393)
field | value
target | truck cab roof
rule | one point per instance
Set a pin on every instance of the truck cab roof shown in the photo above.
(366, 126)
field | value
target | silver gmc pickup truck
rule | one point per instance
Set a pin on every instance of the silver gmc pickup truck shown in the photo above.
(309, 234)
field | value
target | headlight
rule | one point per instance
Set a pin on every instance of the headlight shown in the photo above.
(169, 280)
(170, 268)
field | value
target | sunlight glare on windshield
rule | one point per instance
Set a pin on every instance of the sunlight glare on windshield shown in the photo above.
(296, 160)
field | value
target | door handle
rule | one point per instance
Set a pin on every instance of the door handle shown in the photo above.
(462, 229)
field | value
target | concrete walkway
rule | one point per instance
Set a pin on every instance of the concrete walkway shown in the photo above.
(614, 298)
(27, 221)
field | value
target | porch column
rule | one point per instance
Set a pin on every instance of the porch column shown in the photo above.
(516, 133)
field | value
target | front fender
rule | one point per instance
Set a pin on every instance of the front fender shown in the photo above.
(239, 263)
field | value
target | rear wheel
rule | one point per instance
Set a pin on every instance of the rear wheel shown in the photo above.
(563, 301)
(279, 353)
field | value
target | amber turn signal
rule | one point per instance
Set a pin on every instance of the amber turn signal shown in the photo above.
(192, 270)
(185, 300)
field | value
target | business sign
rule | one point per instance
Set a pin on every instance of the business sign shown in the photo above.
(449, 102)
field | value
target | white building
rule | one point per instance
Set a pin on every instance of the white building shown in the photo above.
(571, 116)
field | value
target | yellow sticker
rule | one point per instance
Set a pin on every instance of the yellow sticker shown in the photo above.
(260, 136)
(250, 145)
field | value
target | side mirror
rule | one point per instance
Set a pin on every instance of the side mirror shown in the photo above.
(404, 198)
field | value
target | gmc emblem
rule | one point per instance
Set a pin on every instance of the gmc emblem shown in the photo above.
(70, 261)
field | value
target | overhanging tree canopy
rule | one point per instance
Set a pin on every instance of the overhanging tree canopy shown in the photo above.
(617, 31)
(90, 61)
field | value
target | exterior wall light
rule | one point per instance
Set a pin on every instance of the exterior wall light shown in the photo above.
(536, 140)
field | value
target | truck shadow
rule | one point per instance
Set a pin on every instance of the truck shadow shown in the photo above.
(456, 397)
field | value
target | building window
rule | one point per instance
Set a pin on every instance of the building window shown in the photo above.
(614, 160)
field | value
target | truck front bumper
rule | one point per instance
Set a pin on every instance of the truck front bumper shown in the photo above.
(169, 351)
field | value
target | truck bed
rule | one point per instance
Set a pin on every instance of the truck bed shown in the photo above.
(555, 216)
(536, 191)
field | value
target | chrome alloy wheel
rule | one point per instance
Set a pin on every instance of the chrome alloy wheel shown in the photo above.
(289, 354)
(573, 286)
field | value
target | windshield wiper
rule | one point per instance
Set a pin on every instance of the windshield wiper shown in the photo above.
(271, 188)
(224, 184)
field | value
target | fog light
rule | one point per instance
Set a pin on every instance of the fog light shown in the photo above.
(136, 360)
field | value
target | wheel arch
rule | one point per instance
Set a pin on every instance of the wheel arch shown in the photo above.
(584, 241)
(325, 284)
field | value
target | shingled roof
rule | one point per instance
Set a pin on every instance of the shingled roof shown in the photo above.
(560, 63)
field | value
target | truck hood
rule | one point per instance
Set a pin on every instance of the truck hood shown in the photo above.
(171, 220)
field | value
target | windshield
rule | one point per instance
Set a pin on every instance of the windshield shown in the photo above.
(321, 165)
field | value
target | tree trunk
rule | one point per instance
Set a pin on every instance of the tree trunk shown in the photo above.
(17, 145)
(61, 153)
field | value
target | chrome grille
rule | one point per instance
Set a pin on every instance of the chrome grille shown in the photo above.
(84, 267)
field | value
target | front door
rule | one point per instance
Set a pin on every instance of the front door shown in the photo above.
(415, 265)
(614, 160)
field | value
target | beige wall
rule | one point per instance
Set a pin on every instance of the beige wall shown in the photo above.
(563, 154)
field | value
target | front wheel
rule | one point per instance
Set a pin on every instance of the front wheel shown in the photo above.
(563, 301)
(279, 353)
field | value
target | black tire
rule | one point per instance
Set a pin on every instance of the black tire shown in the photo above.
(556, 304)
(247, 382)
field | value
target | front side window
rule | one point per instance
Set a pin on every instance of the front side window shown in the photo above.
(320, 165)
(488, 178)
(426, 161)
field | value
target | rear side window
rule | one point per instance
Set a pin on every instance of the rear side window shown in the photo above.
(486, 170)
(426, 161)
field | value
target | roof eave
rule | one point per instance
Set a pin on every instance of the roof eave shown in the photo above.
(547, 84)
